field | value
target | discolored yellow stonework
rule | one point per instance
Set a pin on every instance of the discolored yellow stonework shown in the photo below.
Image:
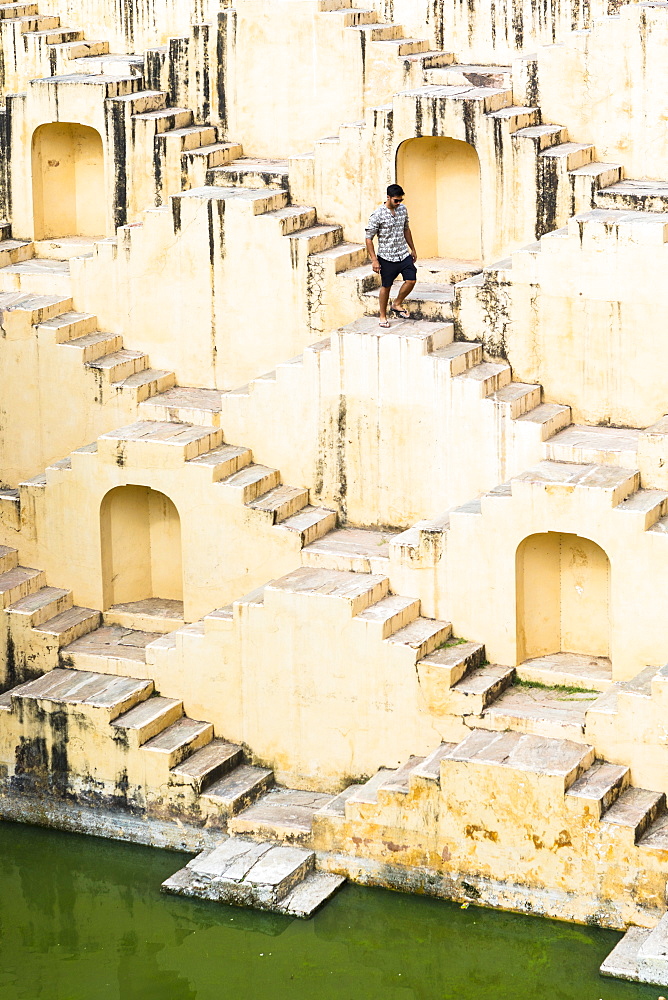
(270, 570)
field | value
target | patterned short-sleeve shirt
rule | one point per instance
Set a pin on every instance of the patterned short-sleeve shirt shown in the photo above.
(389, 227)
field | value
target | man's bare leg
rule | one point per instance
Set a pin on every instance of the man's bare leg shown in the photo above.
(404, 291)
(383, 299)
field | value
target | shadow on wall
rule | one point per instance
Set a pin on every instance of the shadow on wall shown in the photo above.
(67, 181)
(563, 587)
(140, 532)
(441, 178)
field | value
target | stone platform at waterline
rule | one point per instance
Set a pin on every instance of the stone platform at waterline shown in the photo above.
(265, 876)
(375, 603)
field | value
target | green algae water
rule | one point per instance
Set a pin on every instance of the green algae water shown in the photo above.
(83, 919)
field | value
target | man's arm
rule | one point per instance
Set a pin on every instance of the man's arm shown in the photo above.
(371, 250)
(409, 239)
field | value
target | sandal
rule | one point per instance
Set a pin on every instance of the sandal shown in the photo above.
(401, 313)
(385, 323)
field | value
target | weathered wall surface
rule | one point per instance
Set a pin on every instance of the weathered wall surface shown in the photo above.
(623, 109)
(582, 313)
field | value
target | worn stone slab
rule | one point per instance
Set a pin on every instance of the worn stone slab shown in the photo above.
(309, 895)
(568, 669)
(641, 956)
(283, 814)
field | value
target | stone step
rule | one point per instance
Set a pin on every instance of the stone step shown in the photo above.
(36, 309)
(408, 46)
(283, 814)
(398, 782)
(379, 32)
(186, 405)
(446, 270)
(594, 445)
(215, 154)
(146, 382)
(315, 239)
(237, 790)
(69, 625)
(93, 346)
(140, 621)
(358, 550)
(69, 325)
(422, 635)
(15, 10)
(634, 195)
(568, 670)
(119, 365)
(15, 251)
(456, 659)
(56, 35)
(251, 172)
(19, 582)
(635, 810)
(161, 442)
(541, 136)
(428, 301)
(480, 687)
(111, 694)
(36, 22)
(207, 765)
(250, 482)
(600, 786)
(179, 740)
(613, 484)
(552, 712)
(222, 462)
(647, 507)
(9, 558)
(588, 179)
(280, 502)
(111, 648)
(186, 138)
(391, 614)
(366, 794)
(166, 119)
(548, 417)
(641, 956)
(656, 836)
(460, 74)
(311, 523)
(430, 768)
(308, 896)
(149, 718)
(336, 808)
(39, 607)
(561, 758)
(244, 873)
(358, 590)
(568, 155)
(343, 256)
(516, 398)
(293, 218)
(109, 64)
(486, 378)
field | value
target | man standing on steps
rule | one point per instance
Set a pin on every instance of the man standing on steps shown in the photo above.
(396, 251)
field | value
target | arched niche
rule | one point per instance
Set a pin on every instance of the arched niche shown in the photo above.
(141, 546)
(441, 178)
(67, 181)
(563, 587)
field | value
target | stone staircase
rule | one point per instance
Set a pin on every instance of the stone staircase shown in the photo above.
(168, 765)
(397, 813)
(265, 876)
(116, 369)
(170, 761)
(38, 620)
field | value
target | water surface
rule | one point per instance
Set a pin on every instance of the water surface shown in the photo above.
(82, 919)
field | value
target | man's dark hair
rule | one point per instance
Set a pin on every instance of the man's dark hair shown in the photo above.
(395, 191)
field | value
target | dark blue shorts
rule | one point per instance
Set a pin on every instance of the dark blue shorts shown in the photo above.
(390, 269)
